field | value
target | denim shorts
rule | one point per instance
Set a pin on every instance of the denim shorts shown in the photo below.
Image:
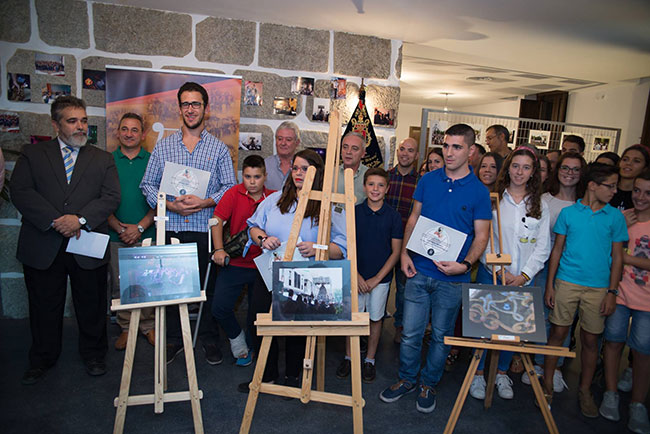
(618, 323)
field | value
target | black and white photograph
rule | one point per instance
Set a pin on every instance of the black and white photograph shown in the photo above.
(94, 80)
(285, 106)
(49, 64)
(338, 88)
(9, 122)
(385, 117)
(253, 93)
(52, 91)
(539, 138)
(503, 310)
(18, 87)
(250, 141)
(311, 291)
(321, 110)
(302, 86)
(438, 128)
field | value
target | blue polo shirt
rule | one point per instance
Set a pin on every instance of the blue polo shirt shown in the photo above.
(587, 256)
(454, 203)
(375, 232)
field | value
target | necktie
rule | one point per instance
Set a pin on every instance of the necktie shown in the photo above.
(68, 162)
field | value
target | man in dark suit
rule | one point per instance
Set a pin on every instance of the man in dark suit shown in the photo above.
(62, 187)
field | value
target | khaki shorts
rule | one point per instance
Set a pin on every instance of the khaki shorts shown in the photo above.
(570, 298)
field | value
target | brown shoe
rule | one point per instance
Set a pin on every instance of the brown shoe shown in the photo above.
(587, 404)
(120, 343)
(398, 335)
(151, 337)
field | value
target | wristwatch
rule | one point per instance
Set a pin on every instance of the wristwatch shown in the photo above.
(467, 264)
(83, 222)
(613, 291)
(140, 228)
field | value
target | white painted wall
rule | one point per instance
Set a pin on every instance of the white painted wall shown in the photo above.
(500, 108)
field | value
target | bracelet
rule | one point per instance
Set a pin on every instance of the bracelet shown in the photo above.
(526, 277)
(467, 264)
(262, 239)
(215, 251)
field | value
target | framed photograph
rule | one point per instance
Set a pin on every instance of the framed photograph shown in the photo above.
(479, 132)
(159, 273)
(321, 112)
(503, 310)
(94, 80)
(92, 134)
(52, 91)
(513, 137)
(539, 138)
(9, 122)
(438, 129)
(601, 144)
(18, 87)
(285, 106)
(436, 241)
(253, 93)
(250, 141)
(311, 291)
(384, 117)
(302, 86)
(49, 64)
(338, 89)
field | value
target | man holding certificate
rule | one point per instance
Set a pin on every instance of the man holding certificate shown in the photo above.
(456, 209)
(184, 165)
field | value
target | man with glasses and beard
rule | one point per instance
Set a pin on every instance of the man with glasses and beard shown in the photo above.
(188, 214)
(61, 187)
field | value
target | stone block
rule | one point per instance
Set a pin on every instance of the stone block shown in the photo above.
(274, 86)
(8, 211)
(126, 29)
(14, 297)
(362, 56)
(268, 136)
(30, 124)
(391, 156)
(221, 40)
(313, 139)
(97, 98)
(189, 68)
(15, 21)
(63, 23)
(296, 48)
(9, 241)
(398, 63)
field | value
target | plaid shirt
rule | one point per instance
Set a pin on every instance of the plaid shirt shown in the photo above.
(400, 193)
(210, 154)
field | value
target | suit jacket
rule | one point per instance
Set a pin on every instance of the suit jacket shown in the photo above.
(40, 191)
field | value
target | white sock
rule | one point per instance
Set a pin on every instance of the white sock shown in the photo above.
(371, 361)
(238, 346)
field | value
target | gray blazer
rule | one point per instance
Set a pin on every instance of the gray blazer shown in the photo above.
(40, 191)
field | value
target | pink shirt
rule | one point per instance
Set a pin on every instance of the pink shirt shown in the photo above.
(635, 285)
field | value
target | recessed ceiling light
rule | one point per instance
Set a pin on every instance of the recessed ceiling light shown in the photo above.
(481, 78)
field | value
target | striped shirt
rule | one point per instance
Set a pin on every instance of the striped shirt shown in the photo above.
(400, 192)
(210, 154)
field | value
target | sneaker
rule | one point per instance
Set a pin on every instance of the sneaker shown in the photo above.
(245, 361)
(587, 404)
(625, 382)
(396, 391)
(609, 406)
(477, 388)
(558, 382)
(426, 401)
(151, 337)
(638, 419)
(173, 350)
(212, 354)
(368, 372)
(344, 369)
(539, 371)
(120, 343)
(504, 386)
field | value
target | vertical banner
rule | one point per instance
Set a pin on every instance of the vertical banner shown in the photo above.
(360, 123)
(153, 95)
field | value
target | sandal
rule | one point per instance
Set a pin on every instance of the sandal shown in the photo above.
(517, 365)
(452, 358)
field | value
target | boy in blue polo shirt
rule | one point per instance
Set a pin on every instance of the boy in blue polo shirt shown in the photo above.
(379, 242)
(585, 264)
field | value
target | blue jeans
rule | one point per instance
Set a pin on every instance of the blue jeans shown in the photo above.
(424, 298)
(637, 335)
(400, 283)
(229, 285)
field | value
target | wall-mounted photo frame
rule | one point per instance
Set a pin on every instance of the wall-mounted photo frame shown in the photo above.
(503, 310)
(601, 144)
(539, 138)
(311, 291)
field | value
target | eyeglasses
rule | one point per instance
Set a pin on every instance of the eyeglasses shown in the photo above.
(299, 168)
(609, 186)
(193, 104)
(570, 169)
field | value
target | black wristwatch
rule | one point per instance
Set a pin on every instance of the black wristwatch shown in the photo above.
(613, 291)
(467, 264)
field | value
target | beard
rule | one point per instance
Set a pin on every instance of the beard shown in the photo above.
(76, 140)
(197, 122)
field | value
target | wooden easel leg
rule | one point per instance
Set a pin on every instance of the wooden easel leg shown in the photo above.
(195, 398)
(320, 361)
(357, 398)
(127, 370)
(160, 362)
(464, 390)
(254, 387)
(539, 394)
(308, 369)
(491, 379)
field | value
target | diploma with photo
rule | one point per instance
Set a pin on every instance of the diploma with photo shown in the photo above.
(436, 241)
(179, 180)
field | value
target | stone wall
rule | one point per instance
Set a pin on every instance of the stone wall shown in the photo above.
(91, 35)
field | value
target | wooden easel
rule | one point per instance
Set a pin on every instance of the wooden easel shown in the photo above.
(160, 396)
(316, 331)
(501, 343)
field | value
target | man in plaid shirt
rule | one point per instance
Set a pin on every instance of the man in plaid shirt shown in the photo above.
(403, 178)
(188, 214)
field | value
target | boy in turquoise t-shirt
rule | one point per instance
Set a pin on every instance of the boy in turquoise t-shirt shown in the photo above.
(585, 264)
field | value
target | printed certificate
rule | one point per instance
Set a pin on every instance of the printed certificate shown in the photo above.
(178, 180)
(436, 241)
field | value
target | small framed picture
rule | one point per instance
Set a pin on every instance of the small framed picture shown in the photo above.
(321, 112)
(539, 138)
(302, 86)
(250, 141)
(253, 93)
(285, 106)
(19, 87)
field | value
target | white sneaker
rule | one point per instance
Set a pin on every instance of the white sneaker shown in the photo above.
(625, 382)
(558, 382)
(609, 407)
(538, 370)
(504, 386)
(638, 419)
(477, 388)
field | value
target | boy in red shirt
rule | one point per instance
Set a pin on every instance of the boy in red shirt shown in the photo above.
(237, 205)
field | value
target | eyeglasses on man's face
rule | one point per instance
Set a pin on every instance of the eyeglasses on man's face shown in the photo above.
(194, 104)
